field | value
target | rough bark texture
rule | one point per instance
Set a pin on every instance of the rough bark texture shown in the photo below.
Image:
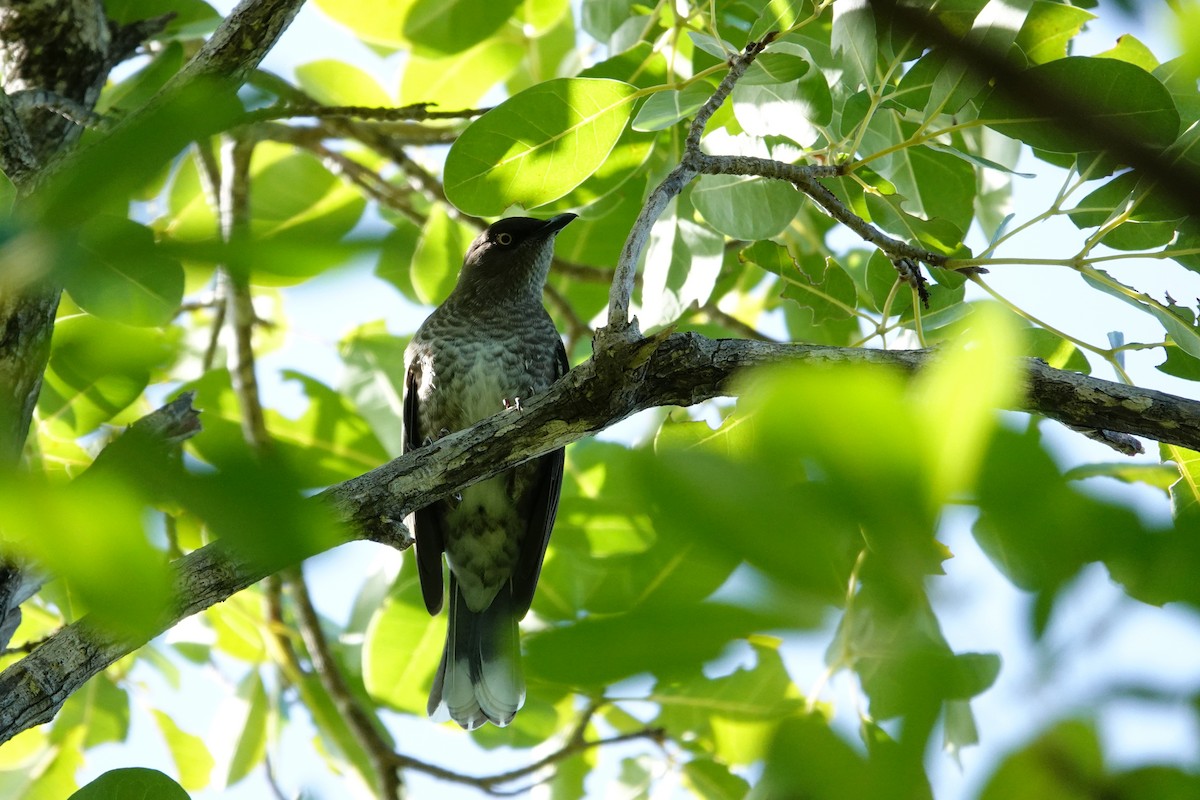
(681, 369)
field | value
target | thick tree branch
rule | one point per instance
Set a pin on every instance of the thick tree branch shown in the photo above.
(681, 369)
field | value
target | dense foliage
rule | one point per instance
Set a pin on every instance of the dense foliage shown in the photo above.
(688, 561)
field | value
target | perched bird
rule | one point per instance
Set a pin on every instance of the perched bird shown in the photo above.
(490, 345)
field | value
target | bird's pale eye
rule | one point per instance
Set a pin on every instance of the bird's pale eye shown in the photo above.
(504, 239)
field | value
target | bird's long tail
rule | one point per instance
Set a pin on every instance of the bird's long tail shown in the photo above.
(479, 679)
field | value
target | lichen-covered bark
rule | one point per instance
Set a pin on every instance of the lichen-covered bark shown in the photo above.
(59, 46)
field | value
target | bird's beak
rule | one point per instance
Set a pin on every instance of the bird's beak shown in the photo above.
(556, 224)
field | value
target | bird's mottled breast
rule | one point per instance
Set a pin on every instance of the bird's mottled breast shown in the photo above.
(471, 365)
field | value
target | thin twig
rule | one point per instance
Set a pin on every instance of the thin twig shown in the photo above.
(416, 111)
(235, 278)
(364, 726)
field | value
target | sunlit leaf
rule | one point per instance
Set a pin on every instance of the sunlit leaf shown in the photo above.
(537, 145)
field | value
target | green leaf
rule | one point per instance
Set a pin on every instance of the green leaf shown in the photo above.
(854, 42)
(537, 145)
(778, 16)
(959, 395)
(328, 443)
(663, 109)
(1116, 95)
(683, 260)
(91, 533)
(1183, 330)
(376, 22)
(192, 760)
(191, 17)
(784, 94)
(451, 26)
(1048, 28)
(1160, 476)
(461, 80)
(718, 48)
(402, 647)
(118, 273)
(439, 256)
(938, 234)
(661, 639)
(808, 759)
(1132, 51)
(373, 380)
(131, 783)
(396, 253)
(141, 147)
(601, 18)
(733, 716)
(100, 708)
(991, 31)
(336, 83)
(1056, 764)
(243, 719)
(812, 282)
(1044, 540)
(746, 207)
(96, 370)
(1180, 364)
(713, 781)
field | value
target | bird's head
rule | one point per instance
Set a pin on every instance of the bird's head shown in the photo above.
(511, 257)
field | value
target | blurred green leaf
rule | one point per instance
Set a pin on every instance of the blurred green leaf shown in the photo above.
(658, 638)
(191, 17)
(374, 380)
(1125, 98)
(192, 759)
(97, 369)
(88, 183)
(117, 273)
(243, 718)
(439, 256)
(336, 83)
(100, 709)
(1063, 763)
(328, 443)
(711, 780)
(733, 716)
(451, 27)
(402, 647)
(92, 533)
(461, 80)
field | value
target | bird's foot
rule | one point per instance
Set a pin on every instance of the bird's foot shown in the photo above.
(514, 404)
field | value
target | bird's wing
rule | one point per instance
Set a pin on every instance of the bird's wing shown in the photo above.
(426, 522)
(541, 517)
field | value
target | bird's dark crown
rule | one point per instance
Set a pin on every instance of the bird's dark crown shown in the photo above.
(514, 234)
(512, 255)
